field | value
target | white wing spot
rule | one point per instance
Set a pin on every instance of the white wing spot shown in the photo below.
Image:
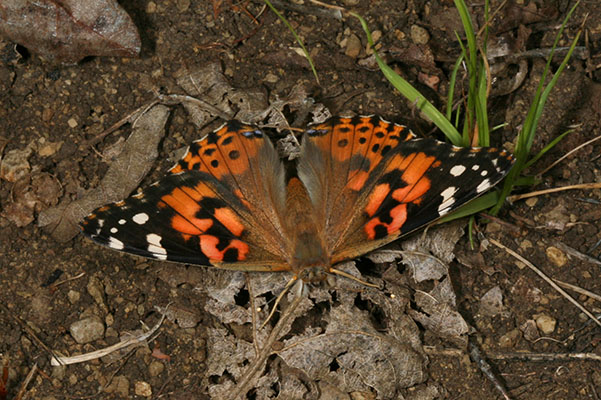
(140, 218)
(155, 247)
(484, 173)
(100, 223)
(447, 199)
(475, 167)
(457, 170)
(483, 186)
(115, 243)
(495, 161)
(114, 230)
(122, 221)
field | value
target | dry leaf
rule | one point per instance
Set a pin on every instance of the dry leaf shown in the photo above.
(437, 312)
(491, 303)
(66, 31)
(123, 176)
(373, 347)
(30, 195)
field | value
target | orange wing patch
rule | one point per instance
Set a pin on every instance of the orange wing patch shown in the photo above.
(224, 152)
(390, 206)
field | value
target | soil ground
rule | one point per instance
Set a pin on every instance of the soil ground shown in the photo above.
(43, 104)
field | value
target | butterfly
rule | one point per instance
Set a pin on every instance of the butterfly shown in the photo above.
(358, 183)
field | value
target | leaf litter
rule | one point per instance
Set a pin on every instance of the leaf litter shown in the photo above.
(68, 30)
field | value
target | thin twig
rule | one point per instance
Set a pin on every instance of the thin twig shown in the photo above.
(248, 379)
(596, 185)
(547, 279)
(25, 383)
(253, 311)
(518, 355)
(72, 278)
(173, 99)
(560, 159)
(578, 289)
(303, 9)
(485, 367)
(575, 253)
(59, 360)
(26, 328)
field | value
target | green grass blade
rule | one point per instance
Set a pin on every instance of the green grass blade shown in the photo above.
(526, 136)
(481, 111)
(475, 206)
(296, 37)
(547, 148)
(412, 94)
(452, 82)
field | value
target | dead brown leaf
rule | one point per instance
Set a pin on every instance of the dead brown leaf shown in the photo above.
(124, 175)
(66, 31)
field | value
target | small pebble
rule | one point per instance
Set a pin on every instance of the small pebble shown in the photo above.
(509, 339)
(87, 330)
(183, 5)
(419, 35)
(545, 323)
(72, 122)
(142, 388)
(530, 330)
(271, 78)
(119, 386)
(156, 368)
(556, 256)
(14, 164)
(47, 114)
(73, 296)
(353, 46)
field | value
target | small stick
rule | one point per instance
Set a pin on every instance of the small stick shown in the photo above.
(302, 9)
(560, 159)
(580, 186)
(26, 328)
(59, 360)
(545, 356)
(28, 379)
(258, 364)
(72, 278)
(575, 253)
(578, 289)
(253, 313)
(547, 279)
(485, 367)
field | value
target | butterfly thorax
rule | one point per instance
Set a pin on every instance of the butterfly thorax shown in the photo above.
(308, 257)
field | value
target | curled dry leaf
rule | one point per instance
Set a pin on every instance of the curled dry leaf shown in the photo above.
(31, 195)
(66, 31)
(439, 242)
(491, 303)
(14, 165)
(375, 347)
(438, 315)
(124, 175)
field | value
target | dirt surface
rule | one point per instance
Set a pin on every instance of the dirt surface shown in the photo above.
(47, 112)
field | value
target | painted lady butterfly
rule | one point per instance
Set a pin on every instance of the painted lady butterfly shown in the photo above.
(358, 184)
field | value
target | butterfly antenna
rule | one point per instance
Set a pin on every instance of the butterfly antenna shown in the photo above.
(278, 299)
(347, 275)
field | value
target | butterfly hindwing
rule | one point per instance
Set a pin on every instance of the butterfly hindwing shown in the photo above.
(210, 210)
(390, 183)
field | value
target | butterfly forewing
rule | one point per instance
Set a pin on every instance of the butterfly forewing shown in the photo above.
(219, 206)
(393, 185)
